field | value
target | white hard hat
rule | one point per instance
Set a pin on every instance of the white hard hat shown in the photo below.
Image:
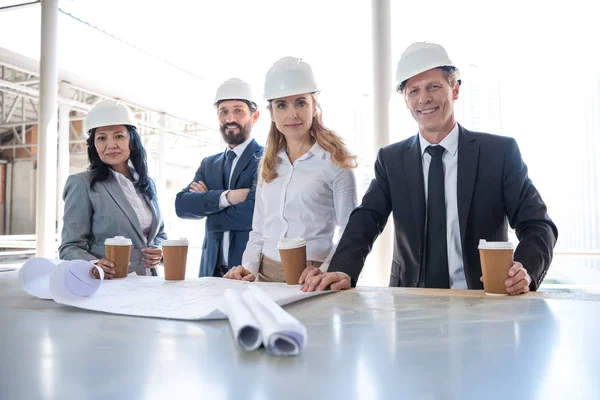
(289, 76)
(420, 57)
(234, 89)
(109, 112)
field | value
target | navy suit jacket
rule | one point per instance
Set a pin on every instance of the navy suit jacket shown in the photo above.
(493, 189)
(235, 219)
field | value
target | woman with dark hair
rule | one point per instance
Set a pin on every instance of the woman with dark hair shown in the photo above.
(306, 187)
(115, 197)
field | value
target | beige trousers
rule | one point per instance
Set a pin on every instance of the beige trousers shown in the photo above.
(272, 271)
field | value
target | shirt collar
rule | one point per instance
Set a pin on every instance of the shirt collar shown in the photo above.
(239, 149)
(315, 151)
(450, 142)
(134, 175)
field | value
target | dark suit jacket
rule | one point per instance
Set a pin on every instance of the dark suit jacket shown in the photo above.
(493, 187)
(235, 219)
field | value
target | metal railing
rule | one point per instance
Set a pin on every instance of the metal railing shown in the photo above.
(16, 245)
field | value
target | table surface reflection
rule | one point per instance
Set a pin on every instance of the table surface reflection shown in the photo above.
(368, 343)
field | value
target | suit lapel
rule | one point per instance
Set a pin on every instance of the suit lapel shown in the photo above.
(468, 157)
(155, 217)
(413, 167)
(115, 191)
(243, 162)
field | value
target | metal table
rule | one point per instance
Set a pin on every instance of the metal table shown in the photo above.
(368, 343)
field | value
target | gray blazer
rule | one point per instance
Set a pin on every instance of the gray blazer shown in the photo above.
(91, 216)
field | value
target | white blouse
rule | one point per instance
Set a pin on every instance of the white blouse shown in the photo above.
(307, 200)
(137, 200)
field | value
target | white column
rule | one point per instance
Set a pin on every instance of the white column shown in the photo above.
(382, 89)
(162, 161)
(8, 202)
(382, 71)
(64, 111)
(45, 225)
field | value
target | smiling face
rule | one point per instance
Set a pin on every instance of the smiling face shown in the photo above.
(235, 121)
(430, 99)
(293, 115)
(112, 144)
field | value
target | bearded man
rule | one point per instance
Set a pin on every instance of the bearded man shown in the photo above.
(224, 186)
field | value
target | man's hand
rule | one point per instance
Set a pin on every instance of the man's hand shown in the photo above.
(309, 272)
(198, 187)
(237, 196)
(517, 282)
(240, 273)
(518, 279)
(333, 280)
(151, 256)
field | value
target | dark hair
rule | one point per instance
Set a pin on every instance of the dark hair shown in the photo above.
(101, 171)
(251, 105)
(452, 75)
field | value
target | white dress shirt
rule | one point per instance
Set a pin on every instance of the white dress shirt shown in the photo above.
(307, 200)
(450, 161)
(223, 203)
(137, 200)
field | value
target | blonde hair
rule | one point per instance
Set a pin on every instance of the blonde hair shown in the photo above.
(326, 138)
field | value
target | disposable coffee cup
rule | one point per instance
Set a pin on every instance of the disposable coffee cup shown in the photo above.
(293, 258)
(118, 251)
(175, 258)
(496, 259)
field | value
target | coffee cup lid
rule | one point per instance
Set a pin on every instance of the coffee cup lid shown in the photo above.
(118, 241)
(175, 242)
(291, 243)
(485, 245)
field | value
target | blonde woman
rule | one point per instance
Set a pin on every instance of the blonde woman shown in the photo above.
(306, 185)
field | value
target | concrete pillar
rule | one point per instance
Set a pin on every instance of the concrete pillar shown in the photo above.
(382, 70)
(161, 185)
(47, 133)
(64, 111)
(382, 88)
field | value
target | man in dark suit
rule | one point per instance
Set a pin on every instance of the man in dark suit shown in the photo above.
(223, 188)
(447, 188)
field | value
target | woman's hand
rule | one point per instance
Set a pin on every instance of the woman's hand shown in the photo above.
(151, 256)
(108, 268)
(240, 273)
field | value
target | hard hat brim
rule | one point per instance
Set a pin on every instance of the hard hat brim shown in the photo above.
(418, 71)
(286, 93)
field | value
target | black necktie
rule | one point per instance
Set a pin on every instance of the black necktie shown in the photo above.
(227, 170)
(221, 268)
(436, 247)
